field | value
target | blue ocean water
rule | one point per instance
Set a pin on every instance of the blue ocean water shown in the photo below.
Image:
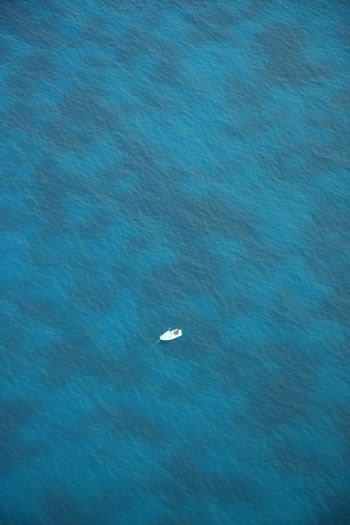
(180, 163)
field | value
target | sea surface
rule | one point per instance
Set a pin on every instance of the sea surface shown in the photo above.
(178, 163)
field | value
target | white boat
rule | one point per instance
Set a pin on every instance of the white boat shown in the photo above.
(171, 334)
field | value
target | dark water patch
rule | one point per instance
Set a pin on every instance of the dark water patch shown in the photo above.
(273, 167)
(46, 253)
(206, 214)
(248, 93)
(100, 61)
(168, 72)
(42, 256)
(12, 220)
(129, 421)
(338, 414)
(97, 290)
(125, 273)
(18, 517)
(14, 365)
(174, 390)
(53, 186)
(7, 51)
(256, 119)
(300, 162)
(155, 100)
(281, 37)
(191, 3)
(288, 307)
(11, 329)
(193, 275)
(169, 66)
(95, 227)
(342, 99)
(255, 9)
(337, 128)
(341, 352)
(323, 159)
(51, 189)
(118, 4)
(39, 67)
(126, 6)
(230, 367)
(21, 23)
(84, 106)
(336, 306)
(77, 102)
(15, 415)
(105, 506)
(278, 403)
(67, 137)
(284, 396)
(222, 217)
(172, 520)
(134, 44)
(136, 244)
(210, 26)
(186, 480)
(72, 355)
(196, 269)
(140, 157)
(332, 216)
(235, 305)
(96, 34)
(48, 312)
(201, 38)
(283, 46)
(218, 17)
(336, 508)
(326, 260)
(51, 182)
(261, 258)
(288, 459)
(63, 509)
(327, 237)
(32, 73)
(232, 131)
(20, 85)
(21, 115)
(52, 378)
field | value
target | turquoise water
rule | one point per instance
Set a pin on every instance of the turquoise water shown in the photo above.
(180, 163)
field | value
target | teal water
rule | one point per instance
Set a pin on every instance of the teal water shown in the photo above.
(180, 163)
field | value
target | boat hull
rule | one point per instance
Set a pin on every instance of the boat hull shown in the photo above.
(170, 334)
